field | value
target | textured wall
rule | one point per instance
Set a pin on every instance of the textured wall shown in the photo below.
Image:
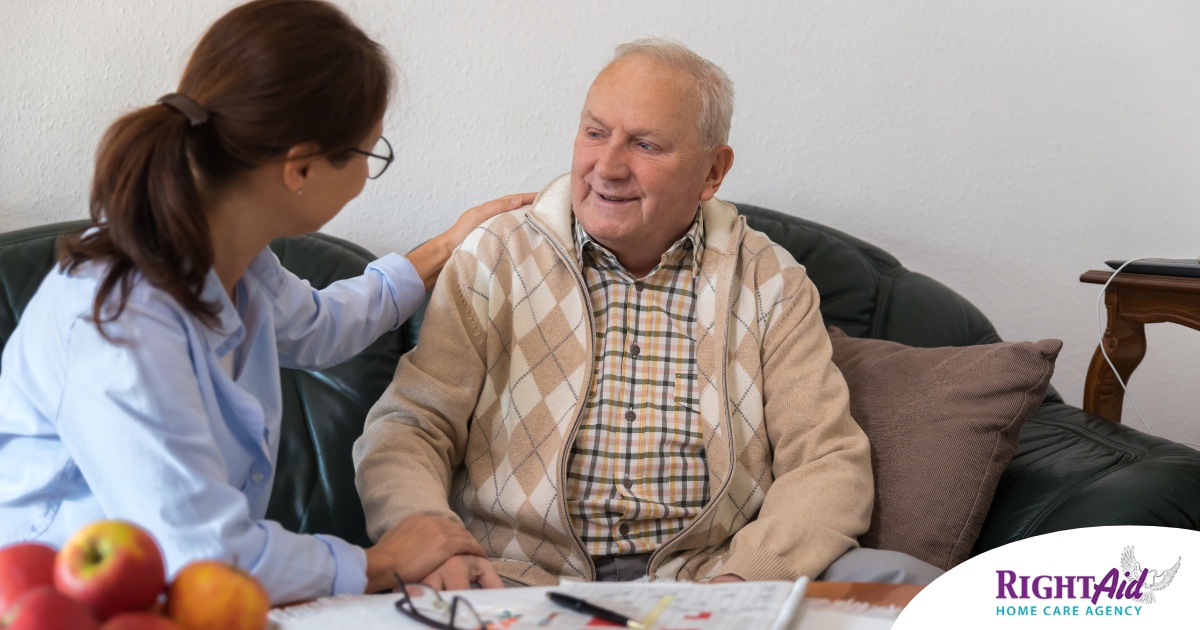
(1001, 147)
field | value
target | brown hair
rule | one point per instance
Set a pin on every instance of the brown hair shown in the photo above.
(272, 74)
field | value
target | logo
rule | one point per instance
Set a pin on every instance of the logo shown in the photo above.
(1128, 583)
(1161, 580)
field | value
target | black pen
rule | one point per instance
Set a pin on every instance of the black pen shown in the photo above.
(579, 605)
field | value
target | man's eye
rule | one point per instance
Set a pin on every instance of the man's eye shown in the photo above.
(645, 146)
(592, 134)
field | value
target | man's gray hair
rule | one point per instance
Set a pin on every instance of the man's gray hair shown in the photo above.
(716, 88)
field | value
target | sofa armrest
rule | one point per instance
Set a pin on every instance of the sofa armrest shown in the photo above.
(1075, 469)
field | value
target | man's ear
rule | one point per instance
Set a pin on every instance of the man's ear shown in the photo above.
(722, 161)
(297, 165)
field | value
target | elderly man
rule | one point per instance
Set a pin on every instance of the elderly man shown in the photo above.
(625, 380)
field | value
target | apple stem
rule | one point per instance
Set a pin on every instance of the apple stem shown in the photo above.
(92, 554)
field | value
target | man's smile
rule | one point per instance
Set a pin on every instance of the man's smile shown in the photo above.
(614, 198)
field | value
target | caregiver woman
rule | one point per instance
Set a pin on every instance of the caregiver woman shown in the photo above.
(143, 380)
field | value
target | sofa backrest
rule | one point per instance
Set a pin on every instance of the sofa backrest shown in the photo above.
(864, 290)
(26, 256)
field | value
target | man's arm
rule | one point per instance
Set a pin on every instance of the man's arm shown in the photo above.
(822, 494)
(417, 432)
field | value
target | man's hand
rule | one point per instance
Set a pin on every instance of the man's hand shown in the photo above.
(415, 547)
(725, 579)
(459, 572)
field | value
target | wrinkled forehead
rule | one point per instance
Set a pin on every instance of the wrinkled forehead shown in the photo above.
(643, 90)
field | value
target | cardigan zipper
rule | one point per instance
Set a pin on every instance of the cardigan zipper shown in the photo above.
(729, 430)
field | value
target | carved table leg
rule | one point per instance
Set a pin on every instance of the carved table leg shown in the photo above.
(1125, 342)
(1133, 300)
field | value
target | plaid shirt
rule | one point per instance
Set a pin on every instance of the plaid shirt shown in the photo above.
(637, 474)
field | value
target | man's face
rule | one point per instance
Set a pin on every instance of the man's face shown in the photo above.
(640, 169)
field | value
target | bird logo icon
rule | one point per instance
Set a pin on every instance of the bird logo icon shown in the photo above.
(1155, 580)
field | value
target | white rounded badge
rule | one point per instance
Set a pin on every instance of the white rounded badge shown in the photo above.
(1097, 577)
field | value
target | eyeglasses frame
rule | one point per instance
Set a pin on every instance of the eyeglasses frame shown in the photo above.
(412, 613)
(387, 160)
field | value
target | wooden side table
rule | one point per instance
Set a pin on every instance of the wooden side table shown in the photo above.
(1133, 300)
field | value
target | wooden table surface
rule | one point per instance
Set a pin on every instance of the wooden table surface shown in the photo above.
(866, 592)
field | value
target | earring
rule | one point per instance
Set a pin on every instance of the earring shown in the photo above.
(300, 191)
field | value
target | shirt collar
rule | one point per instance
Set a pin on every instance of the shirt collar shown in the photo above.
(226, 331)
(694, 235)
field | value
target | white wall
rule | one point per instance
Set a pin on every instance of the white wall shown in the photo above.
(1000, 147)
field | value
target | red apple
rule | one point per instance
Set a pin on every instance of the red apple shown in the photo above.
(22, 567)
(139, 621)
(111, 567)
(208, 595)
(43, 608)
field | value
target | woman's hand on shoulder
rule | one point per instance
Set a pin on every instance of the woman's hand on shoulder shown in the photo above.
(430, 257)
(472, 218)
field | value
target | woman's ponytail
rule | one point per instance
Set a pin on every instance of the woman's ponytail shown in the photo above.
(145, 208)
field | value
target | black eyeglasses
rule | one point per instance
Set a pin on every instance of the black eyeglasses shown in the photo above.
(378, 159)
(443, 615)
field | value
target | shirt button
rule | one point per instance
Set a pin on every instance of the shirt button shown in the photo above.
(628, 483)
(630, 415)
(635, 350)
(256, 477)
(624, 529)
(639, 286)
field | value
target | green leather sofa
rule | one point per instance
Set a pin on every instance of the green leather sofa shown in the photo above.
(1071, 469)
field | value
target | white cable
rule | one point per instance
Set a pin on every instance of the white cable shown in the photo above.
(1104, 353)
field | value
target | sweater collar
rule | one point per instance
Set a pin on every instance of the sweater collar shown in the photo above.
(694, 238)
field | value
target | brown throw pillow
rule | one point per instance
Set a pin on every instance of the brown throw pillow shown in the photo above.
(943, 424)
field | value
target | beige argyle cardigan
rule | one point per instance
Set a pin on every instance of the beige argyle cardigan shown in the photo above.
(485, 409)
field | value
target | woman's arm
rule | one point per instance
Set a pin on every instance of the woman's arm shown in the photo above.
(318, 329)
